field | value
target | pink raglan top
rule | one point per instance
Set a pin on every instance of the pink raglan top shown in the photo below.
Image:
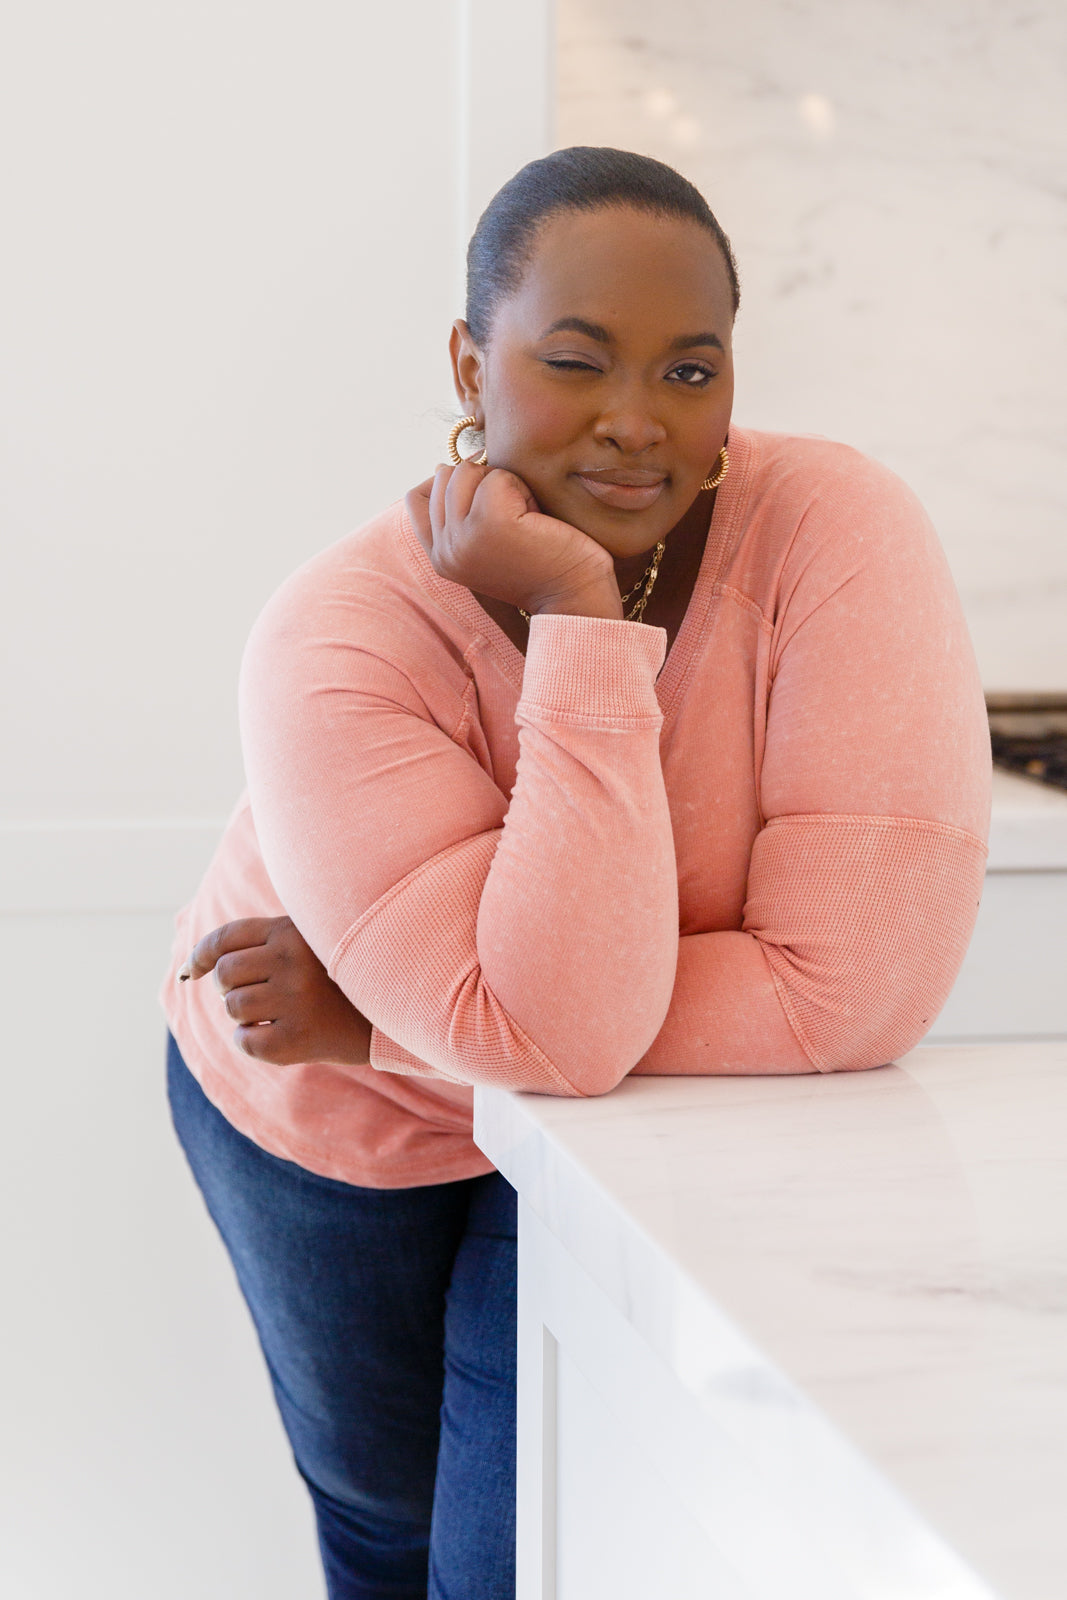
(763, 854)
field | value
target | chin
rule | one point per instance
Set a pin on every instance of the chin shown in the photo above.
(631, 530)
(623, 547)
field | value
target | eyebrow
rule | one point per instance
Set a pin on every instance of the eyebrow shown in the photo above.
(597, 332)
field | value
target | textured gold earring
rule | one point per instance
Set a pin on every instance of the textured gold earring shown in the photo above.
(724, 467)
(453, 441)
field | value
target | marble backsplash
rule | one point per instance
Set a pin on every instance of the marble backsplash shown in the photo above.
(893, 175)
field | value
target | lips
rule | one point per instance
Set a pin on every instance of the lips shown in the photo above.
(623, 488)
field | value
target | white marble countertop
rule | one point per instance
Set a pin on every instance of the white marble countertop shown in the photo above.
(889, 1247)
(1028, 831)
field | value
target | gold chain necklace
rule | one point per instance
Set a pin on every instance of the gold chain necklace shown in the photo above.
(645, 583)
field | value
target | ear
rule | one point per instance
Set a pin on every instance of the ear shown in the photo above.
(467, 367)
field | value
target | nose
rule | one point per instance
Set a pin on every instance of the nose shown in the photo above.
(629, 421)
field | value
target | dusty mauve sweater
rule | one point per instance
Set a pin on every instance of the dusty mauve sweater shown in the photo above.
(762, 855)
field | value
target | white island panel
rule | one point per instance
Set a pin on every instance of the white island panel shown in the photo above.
(1012, 984)
(828, 1313)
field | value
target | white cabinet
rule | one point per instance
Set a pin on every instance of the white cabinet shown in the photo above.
(795, 1338)
(1013, 984)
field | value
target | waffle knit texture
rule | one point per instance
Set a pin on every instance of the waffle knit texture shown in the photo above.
(763, 854)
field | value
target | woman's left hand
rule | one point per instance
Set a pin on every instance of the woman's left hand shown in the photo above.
(276, 989)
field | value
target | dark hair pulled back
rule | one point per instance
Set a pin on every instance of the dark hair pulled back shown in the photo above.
(582, 178)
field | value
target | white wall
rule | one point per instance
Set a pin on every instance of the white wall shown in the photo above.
(232, 249)
(230, 260)
(891, 174)
(232, 254)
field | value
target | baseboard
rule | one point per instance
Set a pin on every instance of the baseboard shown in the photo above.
(103, 866)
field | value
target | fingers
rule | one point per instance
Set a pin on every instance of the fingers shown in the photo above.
(257, 1002)
(452, 495)
(439, 484)
(273, 986)
(240, 935)
(521, 488)
(463, 484)
(437, 502)
(257, 965)
(271, 1042)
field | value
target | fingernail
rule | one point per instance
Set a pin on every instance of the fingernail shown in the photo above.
(184, 973)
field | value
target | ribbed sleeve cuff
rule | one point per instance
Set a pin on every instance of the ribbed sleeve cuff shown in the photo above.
(592, 669)
(388, 1056)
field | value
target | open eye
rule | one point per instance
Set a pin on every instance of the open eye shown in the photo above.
(692, 374)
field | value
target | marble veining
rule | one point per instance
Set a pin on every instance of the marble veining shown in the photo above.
(892, 177)
(890, 1248)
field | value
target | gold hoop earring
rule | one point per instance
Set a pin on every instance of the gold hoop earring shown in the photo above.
(724, 467)
(453, 440)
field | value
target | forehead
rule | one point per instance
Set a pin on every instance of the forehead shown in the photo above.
(620, 266)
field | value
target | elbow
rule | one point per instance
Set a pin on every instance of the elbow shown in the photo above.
(597, 1079)
(857, 1044)
(601, 1065)
(869, 1013)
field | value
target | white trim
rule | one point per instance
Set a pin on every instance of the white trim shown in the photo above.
(507, 89)
(122, 865)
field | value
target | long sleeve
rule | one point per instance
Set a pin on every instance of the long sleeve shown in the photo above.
(865, 877)
(543, 874)
(454, 920)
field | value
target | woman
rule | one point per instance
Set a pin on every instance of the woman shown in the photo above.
(642, 743)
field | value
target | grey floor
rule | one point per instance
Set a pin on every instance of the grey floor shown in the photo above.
(140, 1456)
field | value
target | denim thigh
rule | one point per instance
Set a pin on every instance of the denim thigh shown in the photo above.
(472, 1549)
(352, 1291)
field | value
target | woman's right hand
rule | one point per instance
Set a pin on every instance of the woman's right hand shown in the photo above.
(273, 985)
(485, 531)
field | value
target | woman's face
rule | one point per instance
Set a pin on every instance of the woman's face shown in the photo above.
(607, 381)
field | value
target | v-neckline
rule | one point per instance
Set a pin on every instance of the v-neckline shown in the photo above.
(726, 519)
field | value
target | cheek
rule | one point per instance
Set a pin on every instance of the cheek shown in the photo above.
(543, 423)
(529, 418)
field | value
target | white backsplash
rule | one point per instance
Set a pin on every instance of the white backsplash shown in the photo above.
(893, 176)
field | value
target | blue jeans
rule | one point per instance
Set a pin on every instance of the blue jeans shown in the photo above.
(387, 1319)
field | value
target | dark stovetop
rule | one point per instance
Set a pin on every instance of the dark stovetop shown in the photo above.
(1029, 735)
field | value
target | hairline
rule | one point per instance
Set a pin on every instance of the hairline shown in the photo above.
(614, 203)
